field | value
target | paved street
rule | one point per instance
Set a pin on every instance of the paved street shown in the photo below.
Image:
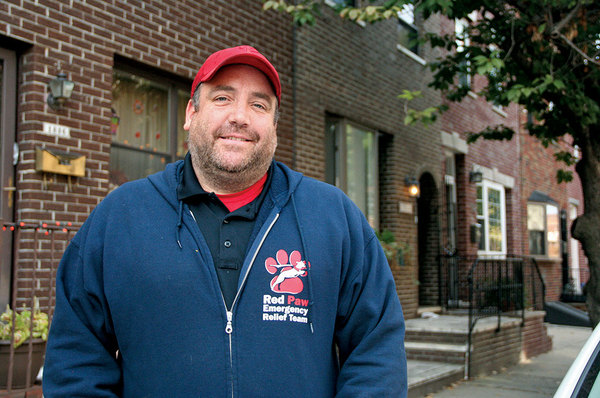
(536, 378)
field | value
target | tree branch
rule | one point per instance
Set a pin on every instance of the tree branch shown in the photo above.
(578, 50)
(561, 24)
(512, 40)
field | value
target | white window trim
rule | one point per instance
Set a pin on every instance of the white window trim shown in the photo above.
(485, 185)
(411, 54)
(499, 109)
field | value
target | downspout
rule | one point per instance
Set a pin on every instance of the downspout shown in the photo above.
(294, 89)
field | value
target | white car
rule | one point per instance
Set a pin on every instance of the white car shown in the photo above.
(583, 379)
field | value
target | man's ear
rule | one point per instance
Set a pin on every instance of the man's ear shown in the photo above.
(189, 114)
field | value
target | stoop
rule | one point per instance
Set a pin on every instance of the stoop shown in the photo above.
(436, 350)
(425, 377)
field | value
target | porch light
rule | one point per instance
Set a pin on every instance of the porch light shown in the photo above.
(60, 91)
(413, 186)
(475, 176)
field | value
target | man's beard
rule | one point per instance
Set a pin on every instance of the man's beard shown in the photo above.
(219, 172)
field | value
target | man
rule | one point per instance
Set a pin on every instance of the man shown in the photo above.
(227, 274)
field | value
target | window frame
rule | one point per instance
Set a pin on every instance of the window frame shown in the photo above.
(336, 159)
(485, 251)
(451, 205)
(409, 24)
(546, 247)
(173, 86)
(462, 41)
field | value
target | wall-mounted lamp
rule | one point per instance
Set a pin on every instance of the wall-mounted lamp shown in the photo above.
(413, 186)
(60, 91)
(475, 176)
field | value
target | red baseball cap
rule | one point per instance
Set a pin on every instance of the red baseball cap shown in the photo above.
(237, 55)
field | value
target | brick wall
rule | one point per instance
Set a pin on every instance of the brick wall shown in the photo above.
(82, 39)
(493, 350)
(473, 114)
(534, 334)
(340, 68)
(357, 73)
(539, 174)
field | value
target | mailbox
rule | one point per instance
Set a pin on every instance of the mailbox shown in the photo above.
(59, 162)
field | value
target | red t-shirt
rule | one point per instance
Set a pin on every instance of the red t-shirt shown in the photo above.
(234, 201)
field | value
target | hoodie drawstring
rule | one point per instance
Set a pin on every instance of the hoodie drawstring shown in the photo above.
(179, 223)
(306, 257)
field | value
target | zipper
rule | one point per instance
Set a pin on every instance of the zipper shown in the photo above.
(229, 326)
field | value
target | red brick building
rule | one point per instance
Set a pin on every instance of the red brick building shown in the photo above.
(132, 63)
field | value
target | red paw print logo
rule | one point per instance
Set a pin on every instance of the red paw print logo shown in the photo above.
(288, 270)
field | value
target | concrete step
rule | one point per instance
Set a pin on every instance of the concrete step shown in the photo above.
(438, 352)
(433, 336)
(425, 377)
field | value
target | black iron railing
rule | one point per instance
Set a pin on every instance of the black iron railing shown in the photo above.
(454, 287)
(503, 286)
(489, 286)
(38, 249)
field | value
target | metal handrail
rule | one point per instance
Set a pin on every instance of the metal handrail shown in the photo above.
(508, 276)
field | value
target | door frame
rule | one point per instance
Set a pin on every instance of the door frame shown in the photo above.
(8, 193)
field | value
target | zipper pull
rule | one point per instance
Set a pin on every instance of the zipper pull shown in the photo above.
(229, 327)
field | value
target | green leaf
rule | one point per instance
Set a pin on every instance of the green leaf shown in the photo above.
(559, 84)
(564, 176)
(409, 95)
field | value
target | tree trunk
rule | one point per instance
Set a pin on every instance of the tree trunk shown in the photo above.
(586, 228)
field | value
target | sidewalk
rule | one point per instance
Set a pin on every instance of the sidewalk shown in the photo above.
(535, 378)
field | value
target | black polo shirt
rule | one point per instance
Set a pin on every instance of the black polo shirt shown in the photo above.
(226, 233)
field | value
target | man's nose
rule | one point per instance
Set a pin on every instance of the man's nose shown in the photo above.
(239, 114)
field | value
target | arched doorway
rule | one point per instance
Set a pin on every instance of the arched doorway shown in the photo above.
(429, 241)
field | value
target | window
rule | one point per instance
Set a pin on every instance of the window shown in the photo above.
(543, 226)
(491, 215)
(450, 205)
(146, 125)
(407, 30)
(463, 41)
(353, 165)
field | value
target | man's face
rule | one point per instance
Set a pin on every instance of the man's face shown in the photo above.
(233, 133)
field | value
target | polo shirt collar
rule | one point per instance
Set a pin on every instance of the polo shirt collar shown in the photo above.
(189, 188)
(189, 185)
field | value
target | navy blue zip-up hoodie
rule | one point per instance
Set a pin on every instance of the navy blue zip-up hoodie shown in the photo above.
(138, 279)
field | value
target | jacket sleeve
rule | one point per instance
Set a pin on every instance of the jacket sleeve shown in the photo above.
(80, 355)
(370, 328)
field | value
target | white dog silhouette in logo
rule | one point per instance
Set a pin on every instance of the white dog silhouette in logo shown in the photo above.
(289, 270)
(294, 272)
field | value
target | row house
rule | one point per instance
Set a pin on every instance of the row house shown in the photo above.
(502, 199)
(128, 66)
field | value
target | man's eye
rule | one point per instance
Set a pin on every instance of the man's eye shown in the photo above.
(260, 106)
(220, 99)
